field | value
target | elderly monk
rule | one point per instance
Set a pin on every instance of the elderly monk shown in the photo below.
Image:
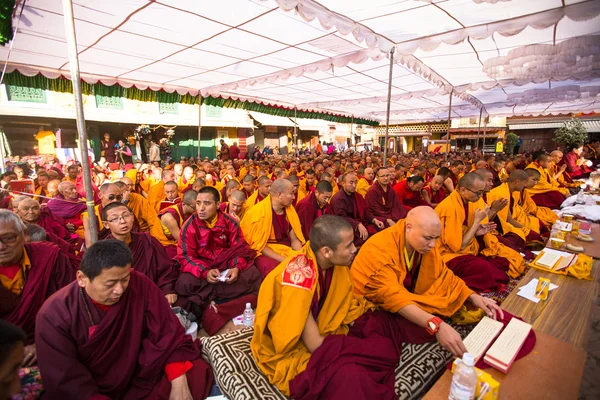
(409, 192)
(236, 206)
(307, 185)
(68, 206)
(353, 207)
(314, 205)
(156, 192)
(364, 183)
(248, 185)
(231, 186)
(144, 214)
(483, 265)
(383, 201)
(149, 257)
(261, 193)
(315, 339)
(29, 274)
(433, 193)
(537, 215)
(402, 271)
(575, 162)
(216, 264)
(272, 227)
(31, 212)
(512, 222)
(170, 221)
(53, 188)
(111, 335)
(547, 192)
(560, 173)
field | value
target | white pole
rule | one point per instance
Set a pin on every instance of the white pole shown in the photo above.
(448, 129)
(199, 122)
(389, 104)
(81, 129)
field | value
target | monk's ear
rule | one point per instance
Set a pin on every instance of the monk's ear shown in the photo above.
(82, 280)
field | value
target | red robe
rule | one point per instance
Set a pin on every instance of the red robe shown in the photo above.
(353, 208)
(437, 197)
(308, 210)
(50, 271)
(574, 170)
(384, 204)
(53, 224)
(407, 197)
(121, 353)
(69, 211)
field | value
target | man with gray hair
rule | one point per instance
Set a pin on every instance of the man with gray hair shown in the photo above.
(29, 274)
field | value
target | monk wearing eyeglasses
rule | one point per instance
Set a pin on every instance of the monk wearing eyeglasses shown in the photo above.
(467, 243)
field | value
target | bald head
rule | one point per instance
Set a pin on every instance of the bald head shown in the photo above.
(423, 228)
(369, 173)
(518, 175)
(282, 193)
(470, 180)
(68, 190)
(238, 195)
(280, 186)
(127, 180)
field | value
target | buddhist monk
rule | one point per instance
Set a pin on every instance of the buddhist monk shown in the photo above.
(144, 214)
(457, 168)
(307, 185)
(149, 257)
(314, 205)
(575, 162)
(433, 193)
(409, 192)
(261, 193)
(547, 192)
(484, 265)
(353, 207)
(12, 350)
(171, 219)
(216, 264)
(156, 192)
(231, 186)
(313, 338)
(272, 227)
(72, 173)
(111, 335)
(29, 274)
(68, 206)
(499, 202)
(41, 192)
(31, 212)
(383, 201)
(365, 182)
(542, 216)
(53, 188)
(236, 206)
(296, 183)
(560, 172)
(186, 180)
(402, 271)
(248, 185)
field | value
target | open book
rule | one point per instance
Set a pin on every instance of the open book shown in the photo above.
(554, 259)
(482, 336)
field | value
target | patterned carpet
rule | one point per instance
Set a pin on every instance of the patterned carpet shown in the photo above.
(500, 295)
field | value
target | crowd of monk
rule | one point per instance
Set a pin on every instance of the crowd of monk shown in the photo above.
(344, 257)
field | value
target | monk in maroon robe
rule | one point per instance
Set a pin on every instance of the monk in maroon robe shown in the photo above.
(216, 264)
(111, 335)
(36, 233)
(433, 193)
(31, 212)
(29, 274)
(409, 192)
(382, 200)
(353, 207)
(314, 205)
(67, 206)
(149, 257)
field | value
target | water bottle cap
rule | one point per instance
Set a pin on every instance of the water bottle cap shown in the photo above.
(248, 305)
(468, 359)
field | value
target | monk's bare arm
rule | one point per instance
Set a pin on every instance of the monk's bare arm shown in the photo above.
(271, 254)
(449, 185)
(86, 231)
(310, 335)
(469, 235)
(426, 197)
(512, 221)
(169, 222)
(296, 244)
(416, 315)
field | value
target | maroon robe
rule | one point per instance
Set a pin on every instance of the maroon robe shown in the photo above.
(552, 199)
(281, 230)
(53, 224)
(353, 208)
(308, 211)
(50, 271)
(121, 353)
(437, 197)
(384, 204)
(407, 197)
(66, 248)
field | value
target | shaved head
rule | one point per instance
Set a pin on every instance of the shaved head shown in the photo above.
(518, 175)
(423, 228)
(238, 195)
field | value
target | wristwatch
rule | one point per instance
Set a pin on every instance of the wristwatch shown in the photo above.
(433, 325)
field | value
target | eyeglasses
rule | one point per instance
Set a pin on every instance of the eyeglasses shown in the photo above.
(9, 239)
(478, 194)
(123, 217)
(117, 197)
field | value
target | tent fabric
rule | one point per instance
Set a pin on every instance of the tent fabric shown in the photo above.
(329, 58)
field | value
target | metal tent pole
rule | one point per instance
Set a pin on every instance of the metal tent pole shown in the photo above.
(295, 142)
(484, 131)
(389, 104)
(81, 129)
(3, 165)
(448, 127)
(479, 128)
(199, 122)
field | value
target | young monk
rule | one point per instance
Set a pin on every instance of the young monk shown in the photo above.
(236, 206)
(211, 244)
(144, 214)
(314, 205)
(433, 193)
(542, 216)
(364, 183)
(313, 338)
(261, 193)
(12, 349)
(383, 201)
(307, 185)
(272, 227)
(464, 217)
(170, 221)
(547, 192)
(248, 185)
(156, 192)
(401, 271)
(111, 334)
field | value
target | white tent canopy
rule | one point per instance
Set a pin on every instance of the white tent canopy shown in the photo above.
(519, 57)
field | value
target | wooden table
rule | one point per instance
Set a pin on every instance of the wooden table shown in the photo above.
(565, 314)
(552, 370)
(592, 249)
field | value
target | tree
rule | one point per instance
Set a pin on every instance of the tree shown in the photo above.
(572, 132)
(511, 142)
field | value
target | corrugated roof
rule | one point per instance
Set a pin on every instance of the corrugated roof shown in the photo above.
(591, 126)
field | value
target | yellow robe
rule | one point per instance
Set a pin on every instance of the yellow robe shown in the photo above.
(283, 307)
(98, 216)
(257, 227)
(181, 186)
(502, 192)
(17, 283)
(561, 179)
(533, 211)
(251, 201)
(362, 186)
(546, 183)
(156, 194)
(144, 213)
(452, 214)
(162, 233)
(302, 192)
(379, 270)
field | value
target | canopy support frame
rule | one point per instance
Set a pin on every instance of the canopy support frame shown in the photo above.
(389, 105)
(449, 122)
(199, 124)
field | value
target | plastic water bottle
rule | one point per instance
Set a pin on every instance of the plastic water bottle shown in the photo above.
(464, 379)
(580, 196)
(248, 315)
(555, 229)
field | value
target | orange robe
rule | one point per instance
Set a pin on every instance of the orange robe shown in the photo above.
(546, 183)
(362, 186)
(543, 215)
(144, 213)
(502, 192)
(156, 194)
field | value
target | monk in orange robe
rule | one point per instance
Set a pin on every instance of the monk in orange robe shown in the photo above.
(272, 227)
(264, 187)
(156, 193)
(467, 244)
(144, 214)
(365, 182)
(547, 192)
(236, 206)
(402, 271)
(307, 185)
(560, 173)
(313, 338)
(41, 192)
(109, 193)
(542, 216)
(170, 221)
